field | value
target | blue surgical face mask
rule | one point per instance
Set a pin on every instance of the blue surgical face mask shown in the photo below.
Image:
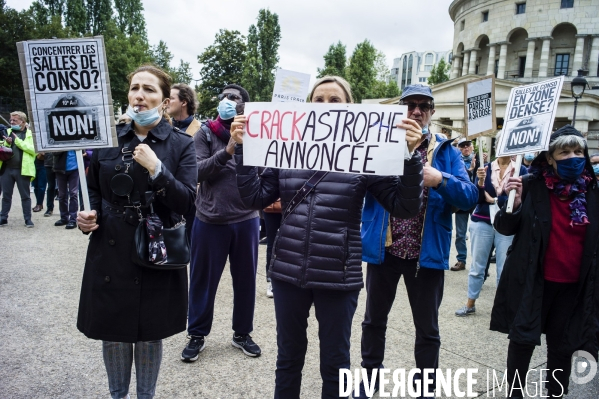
(571, 168)
(144, 118)
(596, 169)
(425, 130)
(226, 109)
(529, 157)
(15, 127)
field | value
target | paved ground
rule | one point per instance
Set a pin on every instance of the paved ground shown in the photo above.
(42, 355)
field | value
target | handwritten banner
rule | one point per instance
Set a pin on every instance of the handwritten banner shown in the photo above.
(68, 95)
(345, 138)
(529, 117)
(479, 107)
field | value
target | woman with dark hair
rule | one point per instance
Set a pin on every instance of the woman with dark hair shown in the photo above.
(549, 278)
(129, 307)
(317, 253)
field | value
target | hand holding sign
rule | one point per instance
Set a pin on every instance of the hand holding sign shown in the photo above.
(481, 173)
(87, 221)
(237, 128)
(413, 133)
(515, 184)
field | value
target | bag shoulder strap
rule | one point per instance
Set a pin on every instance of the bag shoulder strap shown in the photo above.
(303, 193)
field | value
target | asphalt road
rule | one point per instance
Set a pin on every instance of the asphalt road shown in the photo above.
(43, 355)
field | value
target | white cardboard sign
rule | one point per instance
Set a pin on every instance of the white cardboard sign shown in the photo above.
(68, 93)
(345, 138)
(479, 106)
(529, 116)
(291, 86)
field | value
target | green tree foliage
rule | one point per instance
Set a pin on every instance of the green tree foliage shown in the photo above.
(183, 73)
(16, 26)
(262, 56)
(99, 13)
(439, 73)
(129, 17)
(384, 86)
(54, 7)
(334, 61)
(125, 54)
(75, 16)
(222, 64)
(161, 57)
(361, 71)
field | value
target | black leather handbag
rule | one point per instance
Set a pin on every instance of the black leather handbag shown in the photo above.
(175, 240)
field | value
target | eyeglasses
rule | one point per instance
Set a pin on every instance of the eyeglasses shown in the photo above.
(424, 107)
(230, 96)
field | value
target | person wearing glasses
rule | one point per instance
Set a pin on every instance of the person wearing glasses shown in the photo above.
(417, 248)
(223, 228)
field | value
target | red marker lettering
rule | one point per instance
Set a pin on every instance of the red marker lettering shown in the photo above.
(247, 125)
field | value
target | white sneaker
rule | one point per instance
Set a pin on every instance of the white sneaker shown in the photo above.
(269, 290)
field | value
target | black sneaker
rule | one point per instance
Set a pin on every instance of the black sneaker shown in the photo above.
(246, 344)
(48, 213)
(61, 222)
(3, 222)
(192, 351)
(29, 223)
(71, 225)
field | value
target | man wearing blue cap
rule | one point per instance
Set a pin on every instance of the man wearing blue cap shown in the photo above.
(417, 248)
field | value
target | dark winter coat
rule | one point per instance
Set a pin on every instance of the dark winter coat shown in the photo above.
(519, 298)
(121, 301)
(319, 244)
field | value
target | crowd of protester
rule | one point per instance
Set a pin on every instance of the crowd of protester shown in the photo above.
(185, 171)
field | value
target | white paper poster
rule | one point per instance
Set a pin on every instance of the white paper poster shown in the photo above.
(346, 138)
(529, 117)
(68, 93)
(480, 107)
(291, 86)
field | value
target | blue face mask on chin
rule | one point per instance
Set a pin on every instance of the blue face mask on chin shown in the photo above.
(529, 157)
(596, 169)
(226, 109)
(15, 127)
(571, 168)
(144, 118)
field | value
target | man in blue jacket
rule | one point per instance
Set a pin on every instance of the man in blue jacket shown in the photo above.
(417, 248)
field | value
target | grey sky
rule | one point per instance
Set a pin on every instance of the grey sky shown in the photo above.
(308, 27)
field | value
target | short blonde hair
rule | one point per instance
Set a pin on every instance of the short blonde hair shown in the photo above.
(20, 114)
(345, 86)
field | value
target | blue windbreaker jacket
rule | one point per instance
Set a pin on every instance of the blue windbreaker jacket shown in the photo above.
(456, 190)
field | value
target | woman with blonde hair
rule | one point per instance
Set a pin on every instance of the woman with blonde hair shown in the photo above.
(317, 254)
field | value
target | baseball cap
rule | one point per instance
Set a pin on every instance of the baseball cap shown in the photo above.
(417, 90)
(464, 140)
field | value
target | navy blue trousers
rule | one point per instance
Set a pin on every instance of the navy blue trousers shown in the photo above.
(334, 312)
(211, 244)
(425, 293)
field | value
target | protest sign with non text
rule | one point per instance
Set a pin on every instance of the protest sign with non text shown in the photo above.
(479, 107)
(346, 138)
(68, 93)
(290, 86)
(529, 116)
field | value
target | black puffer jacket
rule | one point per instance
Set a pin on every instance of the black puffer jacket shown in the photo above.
(319, 244)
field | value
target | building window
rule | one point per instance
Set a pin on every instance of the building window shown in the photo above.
(428, 62)
(521, 66)
(562, 63)
(496, 67)
(409, 77)
(485, 16)
(422, 80)
(404, 72)
(462, 25)
(520, 8)
(567, 4)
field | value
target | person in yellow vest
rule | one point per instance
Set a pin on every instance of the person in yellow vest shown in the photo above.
(182, 108)
(20, 169)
